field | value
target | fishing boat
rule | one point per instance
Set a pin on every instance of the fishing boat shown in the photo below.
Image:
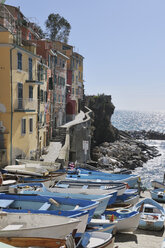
(153, 215)
(125, 220)
(92, 186)
(36, 225)
(163, 243)
(158, 195)
(45, 204)
(157, 184)
(50, 166)
(97, 240)
(48, 180)
(12, 242)
(4, 245)
(27, 169)
(99, 176)
(130, 196)
(40, 189)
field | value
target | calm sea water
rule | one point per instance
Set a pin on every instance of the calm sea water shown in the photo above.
(135, 120)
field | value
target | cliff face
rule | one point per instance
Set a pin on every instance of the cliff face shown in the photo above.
(103, 109)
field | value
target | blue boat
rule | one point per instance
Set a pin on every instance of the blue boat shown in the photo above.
(40, 189)
(92, 187)
(153, 215)
(158, 195)
(45, 204)
(99, 176)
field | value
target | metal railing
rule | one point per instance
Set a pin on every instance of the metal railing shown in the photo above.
(25, 104)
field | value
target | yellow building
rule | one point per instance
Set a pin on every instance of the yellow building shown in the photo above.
(19, 86)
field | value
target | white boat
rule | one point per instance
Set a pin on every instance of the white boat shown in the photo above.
(158, 195)
(81, 189)
(47, 165)
(163, 243)
(27, 169)
(82, 184)
(36, 225)
(157, 184)
(125, 220)
(97, 240)
(4, 187)
(153, 215)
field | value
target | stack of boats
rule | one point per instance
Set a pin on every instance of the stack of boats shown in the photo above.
(84, 209)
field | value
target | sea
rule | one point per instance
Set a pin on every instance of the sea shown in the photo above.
(154, 169)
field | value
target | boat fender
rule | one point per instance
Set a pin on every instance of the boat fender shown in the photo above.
(123, 211)
(54, 202)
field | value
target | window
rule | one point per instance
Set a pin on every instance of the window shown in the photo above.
(30, 69)
(30, 36)
(23, 126)
(30, 92)
(42, 73)
(42, 95)
(19, 61)
(73, 91)
(77, 92)
(30, 125)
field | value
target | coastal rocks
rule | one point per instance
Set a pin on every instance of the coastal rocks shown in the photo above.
(142, 134)
(124, 153)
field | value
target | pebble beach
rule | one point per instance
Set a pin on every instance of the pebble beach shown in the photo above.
(140, 238)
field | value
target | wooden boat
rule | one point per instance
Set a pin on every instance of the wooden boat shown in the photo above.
(36, 225)
(45, 204)
(39, 188)
(92, 186)
(127, 220)
(158, 195)
(153, 215)
(97, 240)
(157, 184)
(99, 176)
(32, 242)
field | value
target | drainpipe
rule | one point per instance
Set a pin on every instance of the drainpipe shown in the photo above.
(11, 116)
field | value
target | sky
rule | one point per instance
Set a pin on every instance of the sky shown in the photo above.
(123, 44)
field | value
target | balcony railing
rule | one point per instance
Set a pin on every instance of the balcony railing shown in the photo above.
(27, 104)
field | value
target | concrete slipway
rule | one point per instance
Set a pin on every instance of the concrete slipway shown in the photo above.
(140, 238)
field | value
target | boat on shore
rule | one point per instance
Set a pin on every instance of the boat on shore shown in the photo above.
(92, 186)
(125, 220)
(97, 240)
(36, 225)
(40, 189)
(44, 204)
(157, 184)
(153, 215)
(99, 176)
(158, 195)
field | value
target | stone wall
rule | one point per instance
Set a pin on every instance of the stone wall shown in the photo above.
(78, 140)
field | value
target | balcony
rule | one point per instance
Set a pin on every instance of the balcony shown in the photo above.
(25, 105)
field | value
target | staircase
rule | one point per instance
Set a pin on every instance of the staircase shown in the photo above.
(59, 135)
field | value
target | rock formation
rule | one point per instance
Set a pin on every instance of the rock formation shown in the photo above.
(112, 148)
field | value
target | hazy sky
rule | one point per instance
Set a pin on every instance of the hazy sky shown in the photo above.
(123, 42)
